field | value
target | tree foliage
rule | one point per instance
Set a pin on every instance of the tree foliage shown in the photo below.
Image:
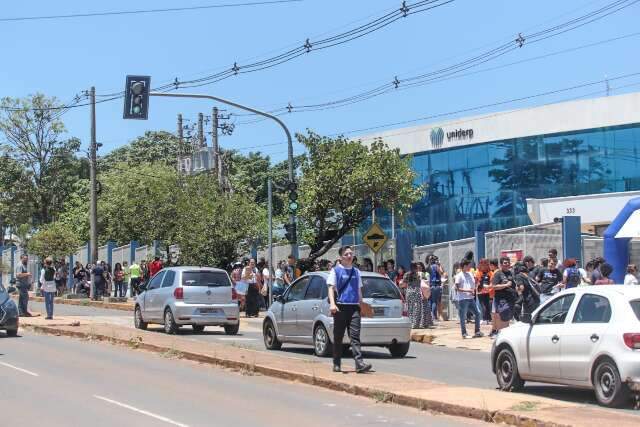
(35, 138)
(55, 240)
(214, 229)
(153, 147)
(343, 180)
(138, 203)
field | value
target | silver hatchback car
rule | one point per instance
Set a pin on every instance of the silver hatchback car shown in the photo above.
(196, 296)
(301, 316)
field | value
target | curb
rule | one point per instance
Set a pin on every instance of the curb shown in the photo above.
(377, 394)
(87, 303)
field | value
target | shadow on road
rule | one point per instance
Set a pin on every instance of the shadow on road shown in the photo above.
(569, 394)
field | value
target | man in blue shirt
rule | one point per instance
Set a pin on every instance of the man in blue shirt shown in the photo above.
(345, 297)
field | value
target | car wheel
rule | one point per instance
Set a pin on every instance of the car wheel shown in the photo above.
(137, 319)
(399, 349)
(271, 341)
(507, 371)
(12, 332)
(232, 329)
(321, 342)
(170, 325)
(609, 388)
(198, 328)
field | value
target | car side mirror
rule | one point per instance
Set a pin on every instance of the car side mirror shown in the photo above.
(143, 287)
(280, 299)
(526, 318)
(11, 289)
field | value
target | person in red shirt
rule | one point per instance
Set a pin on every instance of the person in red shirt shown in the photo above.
(155, 266)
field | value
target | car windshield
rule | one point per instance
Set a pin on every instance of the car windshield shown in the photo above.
(635, 305)
(379, 288)
(205, 278)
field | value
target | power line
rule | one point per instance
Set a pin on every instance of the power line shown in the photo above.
(494, 104)
(308, 46)
(141, 11)
(454, 70)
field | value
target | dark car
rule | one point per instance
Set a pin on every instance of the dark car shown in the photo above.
(8, 311)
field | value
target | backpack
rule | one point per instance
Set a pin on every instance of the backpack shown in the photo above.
(434, 277)
(49, 274)
(573, 277)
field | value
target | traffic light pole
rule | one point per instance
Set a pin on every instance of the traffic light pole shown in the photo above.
(292, 217)
(93, 204)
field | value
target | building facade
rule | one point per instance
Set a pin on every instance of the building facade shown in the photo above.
(478, 172)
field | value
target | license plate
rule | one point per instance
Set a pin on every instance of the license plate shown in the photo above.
(209, 311)
(378, 311)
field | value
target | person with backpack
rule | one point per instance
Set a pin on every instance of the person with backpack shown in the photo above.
(436, 276)
(345, 302)
(572, 277)
(48, 280)
(118, 281)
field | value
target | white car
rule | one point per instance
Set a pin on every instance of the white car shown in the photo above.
(586, 337)
(196, 296)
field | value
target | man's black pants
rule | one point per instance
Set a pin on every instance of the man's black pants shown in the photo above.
(23, 301)
(347, 317)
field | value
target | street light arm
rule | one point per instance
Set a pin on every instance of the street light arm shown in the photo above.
(242, 107)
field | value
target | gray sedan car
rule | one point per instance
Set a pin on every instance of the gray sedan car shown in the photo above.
(301, 316)
(196, 296)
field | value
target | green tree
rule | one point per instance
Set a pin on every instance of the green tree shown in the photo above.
(35, 138)
(215, 229)
(154, 147)
(138, 203)
(55, 240)
(16, 194)
(75, 213)
(341, 182)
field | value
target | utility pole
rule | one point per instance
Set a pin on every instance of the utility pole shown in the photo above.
(201, 129)
(180, 142)
(270, 238)
(214, 140)
(93, 207)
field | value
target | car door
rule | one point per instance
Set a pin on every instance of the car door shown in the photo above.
(289, 310)
(544, 338)
(583, 336)
(151, 297)
(309, 307)
(165, 293)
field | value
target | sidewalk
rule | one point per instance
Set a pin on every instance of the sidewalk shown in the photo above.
(444, 334)
(489, 405)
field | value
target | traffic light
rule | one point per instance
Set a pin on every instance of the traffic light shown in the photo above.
(136, 97)
(290, 233)
(293, 197)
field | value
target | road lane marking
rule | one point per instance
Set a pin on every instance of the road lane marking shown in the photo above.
(33, 374)
(141, 411)
(237, 339)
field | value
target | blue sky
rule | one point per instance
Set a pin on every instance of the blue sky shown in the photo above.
(63, 57)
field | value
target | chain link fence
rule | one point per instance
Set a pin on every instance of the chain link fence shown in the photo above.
(449, 253)
(534, 240)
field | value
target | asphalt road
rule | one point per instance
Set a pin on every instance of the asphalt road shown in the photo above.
(451, 366)
(58, 381)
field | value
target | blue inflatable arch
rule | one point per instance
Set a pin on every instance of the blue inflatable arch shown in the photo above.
(616, 249)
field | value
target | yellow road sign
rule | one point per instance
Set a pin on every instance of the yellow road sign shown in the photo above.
(375, 237)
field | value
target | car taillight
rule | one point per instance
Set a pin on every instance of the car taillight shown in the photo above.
(405, 309)
(632, 341)
(178, 293)
(234, 294)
